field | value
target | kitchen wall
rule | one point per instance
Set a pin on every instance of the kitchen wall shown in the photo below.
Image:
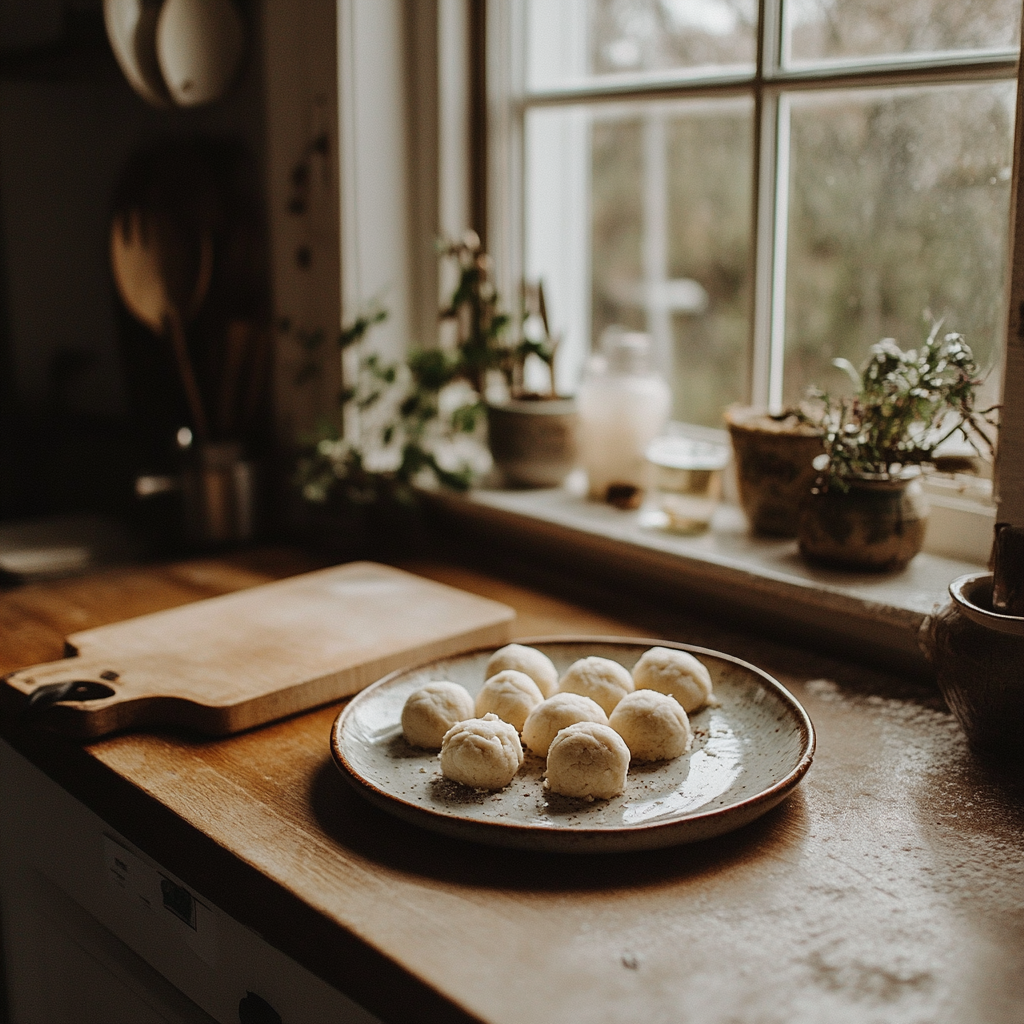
(68, 123)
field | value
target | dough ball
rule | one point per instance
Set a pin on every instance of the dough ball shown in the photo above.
(539, 667)
(432, 710)
(484, 753)
(510, 695)
(653, 725)
(675, 673)
(600, 679)
(588, 760)
(546, 720)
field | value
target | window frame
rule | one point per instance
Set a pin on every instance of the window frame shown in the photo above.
(769, 84)
(966, 514)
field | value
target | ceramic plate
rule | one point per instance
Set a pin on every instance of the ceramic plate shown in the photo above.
(748, 754)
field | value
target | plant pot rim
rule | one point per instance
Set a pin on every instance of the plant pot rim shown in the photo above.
(881, 481)
(972, 593)
(754, 419)
(556, 406)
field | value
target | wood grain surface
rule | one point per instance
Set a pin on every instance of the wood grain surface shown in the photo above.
(889, 887)
(242, 659)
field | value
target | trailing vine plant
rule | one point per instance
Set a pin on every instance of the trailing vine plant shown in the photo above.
(413, 413)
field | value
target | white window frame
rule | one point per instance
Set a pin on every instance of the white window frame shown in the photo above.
(963, 512)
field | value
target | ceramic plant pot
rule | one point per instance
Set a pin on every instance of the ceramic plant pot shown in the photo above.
(773, 467)
(534, 442)
(876, 524)
(979, 661)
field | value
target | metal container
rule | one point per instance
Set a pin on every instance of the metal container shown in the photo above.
(219, 494)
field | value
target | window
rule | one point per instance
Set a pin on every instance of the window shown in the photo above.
(762, 187)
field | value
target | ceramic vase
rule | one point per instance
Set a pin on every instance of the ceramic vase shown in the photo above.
(773, 467)
(979, 662)
(875, 524)
(534, 442)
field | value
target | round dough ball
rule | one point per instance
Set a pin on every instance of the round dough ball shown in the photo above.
(484, 753)
(588, 760)
(600, 679)
(432, 710)
(653, 725)
(510, 695)
(538, 666)
(675, 673)
(546, 720)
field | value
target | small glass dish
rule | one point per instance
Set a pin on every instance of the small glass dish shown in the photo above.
(686, 479)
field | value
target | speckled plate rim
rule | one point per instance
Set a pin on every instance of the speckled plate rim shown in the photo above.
(688, 827)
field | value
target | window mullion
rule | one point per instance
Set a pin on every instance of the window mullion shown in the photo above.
(769, 40)
(766, 138)
(764, 247)
(505, 122)
(780, 233)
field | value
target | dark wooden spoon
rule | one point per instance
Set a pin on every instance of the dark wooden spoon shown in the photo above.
(163, 282)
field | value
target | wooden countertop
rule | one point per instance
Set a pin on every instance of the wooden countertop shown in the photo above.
(889, 887)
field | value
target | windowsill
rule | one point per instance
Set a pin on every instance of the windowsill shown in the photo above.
(758, 582)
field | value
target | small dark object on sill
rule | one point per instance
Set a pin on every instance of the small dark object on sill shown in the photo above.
(624, 496)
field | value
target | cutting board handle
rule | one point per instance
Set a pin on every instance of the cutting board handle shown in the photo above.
(90, 692)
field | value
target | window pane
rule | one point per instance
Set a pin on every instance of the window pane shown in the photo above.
(823, 30)
(640, 216)
(571, 41)
(898, 208)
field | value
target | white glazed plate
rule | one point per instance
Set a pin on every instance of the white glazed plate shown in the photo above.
(748, 755)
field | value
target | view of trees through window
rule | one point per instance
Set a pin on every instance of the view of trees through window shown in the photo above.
(899, 209)
(889, 187)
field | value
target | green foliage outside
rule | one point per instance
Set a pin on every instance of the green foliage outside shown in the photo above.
(898, 198)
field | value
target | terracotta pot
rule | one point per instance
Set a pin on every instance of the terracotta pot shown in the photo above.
(876, 524)
(978, 656)
(773, 467)
(534, 442)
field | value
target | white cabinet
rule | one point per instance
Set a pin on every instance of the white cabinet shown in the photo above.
(94, 930)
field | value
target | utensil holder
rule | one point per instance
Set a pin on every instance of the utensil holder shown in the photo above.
(220, 495)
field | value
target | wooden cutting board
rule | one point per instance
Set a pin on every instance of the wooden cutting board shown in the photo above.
(233, 662)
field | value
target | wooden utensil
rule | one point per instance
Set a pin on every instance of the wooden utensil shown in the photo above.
(237, 661)
(163, 284)
(238, 343)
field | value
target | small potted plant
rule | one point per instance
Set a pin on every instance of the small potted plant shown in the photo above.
(532, 434)
(867, 509)
(419, 420)
(774, 457)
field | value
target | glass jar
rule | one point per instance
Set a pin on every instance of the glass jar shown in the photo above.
(623, 405)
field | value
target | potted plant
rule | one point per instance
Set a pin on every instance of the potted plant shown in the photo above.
(532, 435)
(404, 426)
(419, 421)
(774, 458)
(867, 509)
